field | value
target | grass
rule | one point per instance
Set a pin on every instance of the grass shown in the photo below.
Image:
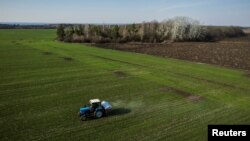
(43, 83)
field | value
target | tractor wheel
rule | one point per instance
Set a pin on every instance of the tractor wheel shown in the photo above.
(98, 114)
(83, 118)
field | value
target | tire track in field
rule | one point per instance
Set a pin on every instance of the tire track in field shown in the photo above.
(115, 60)
(201, 79)
(177, 73)
(180, 74)
(31, 74)
(51, 83)
(184, 120)
(211, 81)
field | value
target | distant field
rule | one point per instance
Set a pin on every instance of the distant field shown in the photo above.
(43, 83)
(247, 30)
(230, 52)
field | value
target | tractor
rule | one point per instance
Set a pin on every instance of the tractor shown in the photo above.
(95, 109)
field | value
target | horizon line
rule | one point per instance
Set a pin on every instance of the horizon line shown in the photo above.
(98, 23)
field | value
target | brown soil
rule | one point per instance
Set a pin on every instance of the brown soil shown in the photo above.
(234, 52)
(47, 53)
(189, 96)
(68, 58)
(120, 74)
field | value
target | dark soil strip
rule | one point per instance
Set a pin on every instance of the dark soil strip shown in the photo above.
(120, 74)
(47, 53)
(68, 58)
(16, 43)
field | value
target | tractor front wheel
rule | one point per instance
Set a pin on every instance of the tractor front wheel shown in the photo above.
(98, 114)
(83, 118)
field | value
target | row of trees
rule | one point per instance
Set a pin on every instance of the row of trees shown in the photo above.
(176, 29)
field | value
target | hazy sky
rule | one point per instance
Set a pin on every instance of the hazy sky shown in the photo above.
(215, 12)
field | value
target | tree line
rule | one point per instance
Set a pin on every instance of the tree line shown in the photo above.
(175, 29)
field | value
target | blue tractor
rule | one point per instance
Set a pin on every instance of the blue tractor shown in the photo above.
(95, 109)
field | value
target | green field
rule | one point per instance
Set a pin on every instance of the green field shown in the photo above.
(43, 83)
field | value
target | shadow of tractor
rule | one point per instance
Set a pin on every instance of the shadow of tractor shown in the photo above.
(119, 111)
(115, 112)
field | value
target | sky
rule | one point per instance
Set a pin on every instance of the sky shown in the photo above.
(209, 12)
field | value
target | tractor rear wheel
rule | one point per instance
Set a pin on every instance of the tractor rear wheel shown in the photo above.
(98, 114)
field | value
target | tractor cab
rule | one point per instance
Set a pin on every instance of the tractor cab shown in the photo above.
(95, 103)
